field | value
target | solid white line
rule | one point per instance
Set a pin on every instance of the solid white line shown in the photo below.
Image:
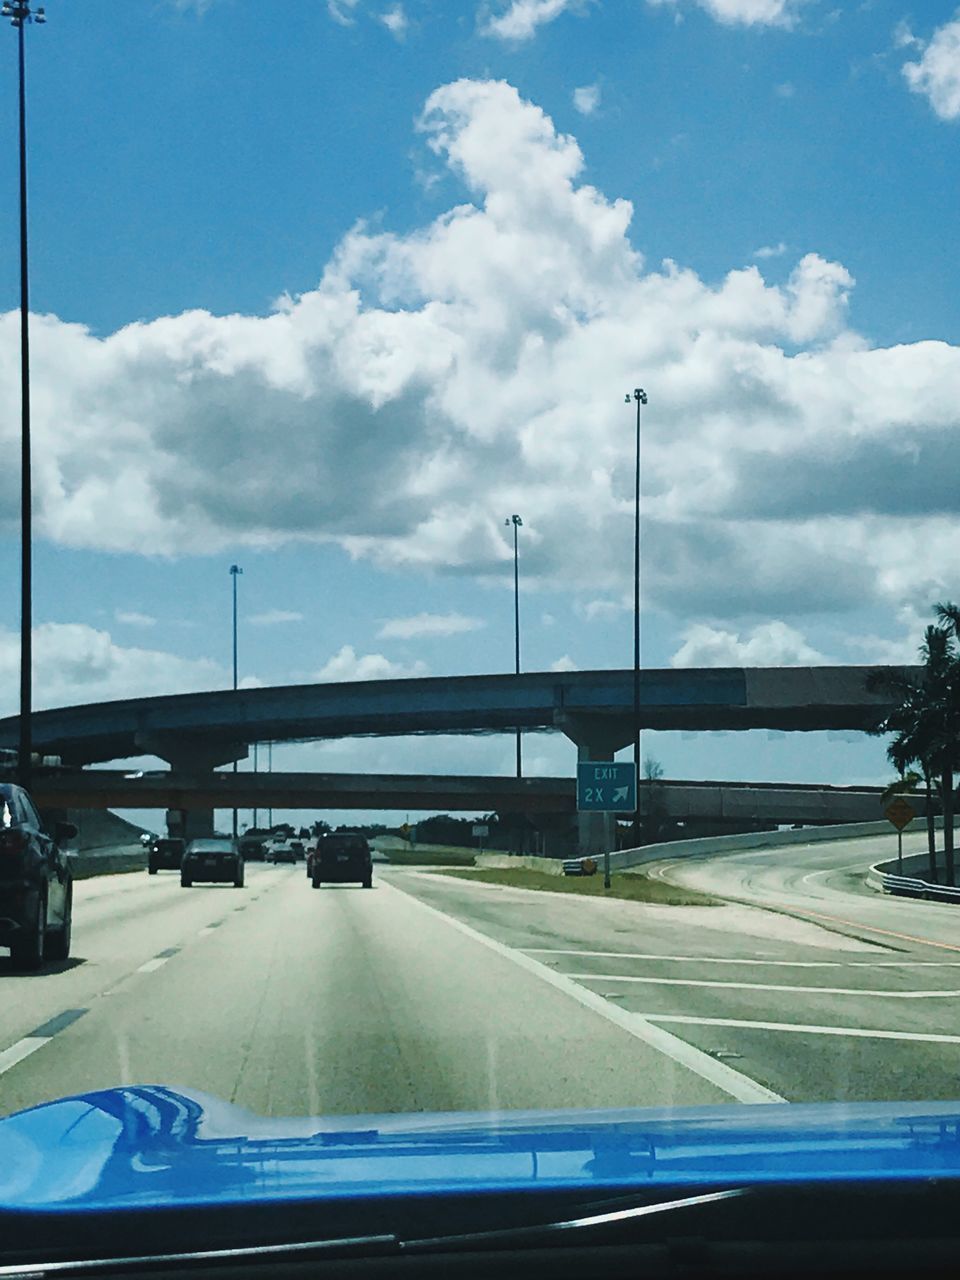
(156, 963)
(764, 986)
(862, 1032)
(733, 1082)
(22, 1049)
(785, 964)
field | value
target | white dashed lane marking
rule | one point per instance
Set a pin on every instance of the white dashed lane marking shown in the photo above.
(38, 1038)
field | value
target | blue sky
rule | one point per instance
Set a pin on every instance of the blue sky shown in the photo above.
(331, 289)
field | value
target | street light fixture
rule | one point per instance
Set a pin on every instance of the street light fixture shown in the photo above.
(21, 15)
(517, 524)
(235, 572)
(640, 396)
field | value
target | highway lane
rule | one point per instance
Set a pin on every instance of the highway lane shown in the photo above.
(290, 1001)
(433, 993)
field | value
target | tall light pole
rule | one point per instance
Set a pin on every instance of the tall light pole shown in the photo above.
(20, 15)
(235, 572)
(517, 523)
(640, 396)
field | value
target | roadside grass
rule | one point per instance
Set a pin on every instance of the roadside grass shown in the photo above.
(635, 888)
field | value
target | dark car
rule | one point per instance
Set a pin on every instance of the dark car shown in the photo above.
(165, 855)
(212, 858)
(341, 858)
(253, 846)
(36, 887)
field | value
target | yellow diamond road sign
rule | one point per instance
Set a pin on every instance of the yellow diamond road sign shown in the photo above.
(900, 813)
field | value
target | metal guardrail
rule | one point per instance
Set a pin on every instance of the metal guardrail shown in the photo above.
(912, 886)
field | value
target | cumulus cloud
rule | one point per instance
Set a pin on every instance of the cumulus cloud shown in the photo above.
(566, 663)
(131, 618)
(396, 21)
(275, 617)
(74, 663)
(936, 73)
(586, 99)
(429, 624)
(347, 664)
(747, 13)
(523, 18)
(770, 251)
(463, 370)
(772, 644)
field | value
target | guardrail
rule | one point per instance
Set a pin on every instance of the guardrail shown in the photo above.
(910, 886)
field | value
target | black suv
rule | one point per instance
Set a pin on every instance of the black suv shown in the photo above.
(36, 887)
(212, 858)
(341, 858)
(165, 855)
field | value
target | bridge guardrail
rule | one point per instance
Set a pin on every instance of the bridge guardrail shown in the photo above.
(910, 886)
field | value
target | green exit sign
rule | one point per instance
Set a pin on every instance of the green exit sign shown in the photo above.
(606, 786)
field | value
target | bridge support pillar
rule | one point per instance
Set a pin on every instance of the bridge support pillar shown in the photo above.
(595, 831)
(186, 756)
(597, 738)
(190, 824)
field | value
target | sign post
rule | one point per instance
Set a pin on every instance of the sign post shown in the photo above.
(900, 813)
(480, 831)
(606, 786)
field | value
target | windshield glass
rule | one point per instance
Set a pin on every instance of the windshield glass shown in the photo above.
(511, 444)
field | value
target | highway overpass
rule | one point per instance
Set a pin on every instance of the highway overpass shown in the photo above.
(715, 802)
(199, 731)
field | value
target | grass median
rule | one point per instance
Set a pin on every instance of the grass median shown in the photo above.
(635, 888)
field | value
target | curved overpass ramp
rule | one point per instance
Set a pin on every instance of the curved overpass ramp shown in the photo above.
(594, 708)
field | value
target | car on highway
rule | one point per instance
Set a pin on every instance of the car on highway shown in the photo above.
(36, 884)
(165, 854)
(283, 851)
(253, 846)
(212, 858)
(341, 858)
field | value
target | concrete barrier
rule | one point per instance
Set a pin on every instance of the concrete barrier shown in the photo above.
(107, 861)
(552, 866)
(628, 858)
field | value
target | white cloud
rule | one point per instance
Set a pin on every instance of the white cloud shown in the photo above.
(937, 73)
(342, 11)
(770, 251)
(602, 610)
(470, 367)
(586, 99)
(131, 618)
(566, 663)
(522, 19)
(772, 644)
(429, 624)
(275, 617)
(396, 21)
(786, 89)
(73, 664)
(347, 664)
(748, 13)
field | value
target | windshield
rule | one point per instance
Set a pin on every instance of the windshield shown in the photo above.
(490, 470)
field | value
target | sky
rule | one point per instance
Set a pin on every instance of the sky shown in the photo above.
(329, 289)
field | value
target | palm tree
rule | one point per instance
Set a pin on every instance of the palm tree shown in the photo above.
(926, 723)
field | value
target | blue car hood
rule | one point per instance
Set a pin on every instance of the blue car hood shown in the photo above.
(152, 1146)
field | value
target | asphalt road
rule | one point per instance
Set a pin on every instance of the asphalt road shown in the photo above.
(432, 993)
